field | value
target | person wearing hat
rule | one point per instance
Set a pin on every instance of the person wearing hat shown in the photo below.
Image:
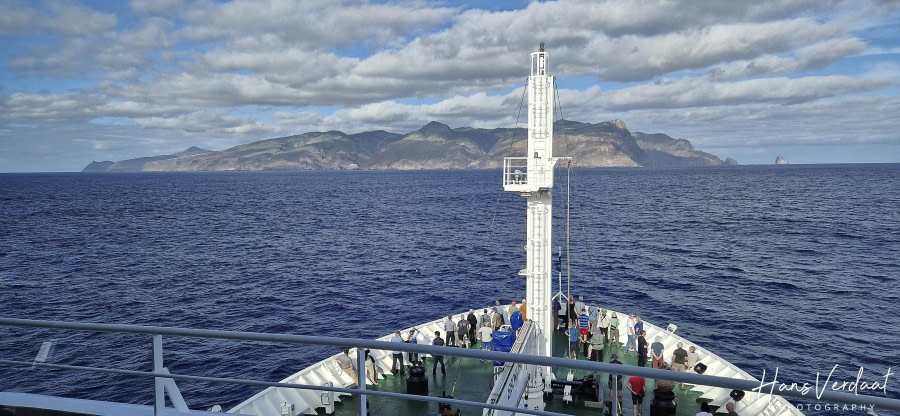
(511, 310)
(614, 359)
(603, 323)
(614, 331)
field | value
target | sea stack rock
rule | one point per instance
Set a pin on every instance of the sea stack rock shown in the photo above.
(731, 162)
(780, 160)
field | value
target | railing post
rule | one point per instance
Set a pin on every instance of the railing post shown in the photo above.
(159, 392)
(615, 395)
(361, 375)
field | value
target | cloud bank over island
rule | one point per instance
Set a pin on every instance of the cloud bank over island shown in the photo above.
(816, 80)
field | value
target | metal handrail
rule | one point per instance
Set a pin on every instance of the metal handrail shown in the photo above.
(278, 384)
(778, 388)
(508, 380)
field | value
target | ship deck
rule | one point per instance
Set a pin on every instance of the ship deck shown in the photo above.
(472, 379)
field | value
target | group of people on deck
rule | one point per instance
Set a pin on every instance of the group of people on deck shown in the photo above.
(464, 330)
(592, 330)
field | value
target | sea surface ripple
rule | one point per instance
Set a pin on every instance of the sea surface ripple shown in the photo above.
(794, 267)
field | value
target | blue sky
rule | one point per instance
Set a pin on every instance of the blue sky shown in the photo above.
(815, 80)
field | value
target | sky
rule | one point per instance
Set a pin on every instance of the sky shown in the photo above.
(817, 81)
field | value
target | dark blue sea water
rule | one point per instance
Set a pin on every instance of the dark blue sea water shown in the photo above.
(793, 267)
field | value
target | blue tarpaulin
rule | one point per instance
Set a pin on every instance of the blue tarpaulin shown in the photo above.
(503, 341)
(516, 320)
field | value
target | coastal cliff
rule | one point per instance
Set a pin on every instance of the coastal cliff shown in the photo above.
(434, 146)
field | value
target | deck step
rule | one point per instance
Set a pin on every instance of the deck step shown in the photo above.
(311, 397)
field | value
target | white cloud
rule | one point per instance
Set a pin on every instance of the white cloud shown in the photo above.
(702, 92)
(287, 65)
(46, 106)
(809, 57)
(15, 18)
(641, 58)
(153, 34)
(18, 106)
(476, 110)
(74, 20)
(314, 23)
(195, 122)
(156, 6)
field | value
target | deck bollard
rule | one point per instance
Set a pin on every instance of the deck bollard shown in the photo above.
(663, 403)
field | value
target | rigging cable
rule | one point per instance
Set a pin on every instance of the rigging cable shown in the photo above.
(571, 174)
(568, 221)
(512, 140)
(568, 195)
(500, 192)
(455, 378)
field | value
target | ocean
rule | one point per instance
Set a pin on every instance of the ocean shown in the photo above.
(790, 267)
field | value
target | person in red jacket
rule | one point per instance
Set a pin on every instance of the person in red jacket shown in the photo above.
(636, 385)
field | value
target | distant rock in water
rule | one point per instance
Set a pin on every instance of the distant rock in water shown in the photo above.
(434, 146)
(780, 160)
(731, 162)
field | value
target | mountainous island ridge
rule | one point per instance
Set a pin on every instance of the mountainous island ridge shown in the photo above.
(434, 146)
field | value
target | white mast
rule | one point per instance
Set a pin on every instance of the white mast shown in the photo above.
(532, 177)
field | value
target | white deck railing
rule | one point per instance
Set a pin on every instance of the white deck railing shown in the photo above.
(727, 382)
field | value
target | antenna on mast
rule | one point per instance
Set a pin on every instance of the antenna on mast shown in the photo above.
(542, 46)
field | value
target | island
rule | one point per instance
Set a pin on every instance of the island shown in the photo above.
(434, 146)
